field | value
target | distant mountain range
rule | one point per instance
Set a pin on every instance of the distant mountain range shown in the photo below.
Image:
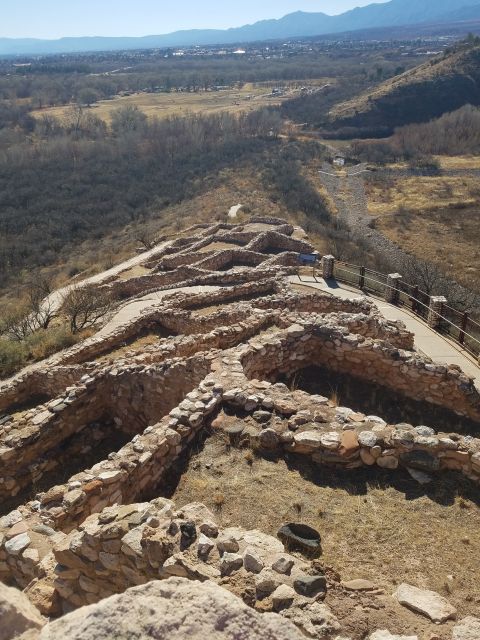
(299, 24)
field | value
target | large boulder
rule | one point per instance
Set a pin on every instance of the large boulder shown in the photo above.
(17, 614)
(175, 609)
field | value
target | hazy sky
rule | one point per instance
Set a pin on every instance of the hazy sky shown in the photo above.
(57, 18)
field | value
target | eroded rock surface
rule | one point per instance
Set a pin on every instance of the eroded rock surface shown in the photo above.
(17, 614)
(175, 609)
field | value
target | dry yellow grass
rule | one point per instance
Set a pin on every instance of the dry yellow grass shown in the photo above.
(135, 345)
(446, 163)
(162, 105)
(451, 239)
(434, 218)
(374, 525)
(217, 246)
(458, 162)
(134, 272)
(422, 193)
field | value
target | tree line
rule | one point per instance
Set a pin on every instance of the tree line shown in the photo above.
(83, 179)
(453, 134)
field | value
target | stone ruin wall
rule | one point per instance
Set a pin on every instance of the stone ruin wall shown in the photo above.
(366, 359)
(162, 396)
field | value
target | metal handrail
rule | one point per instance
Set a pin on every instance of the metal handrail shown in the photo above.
(362, 276)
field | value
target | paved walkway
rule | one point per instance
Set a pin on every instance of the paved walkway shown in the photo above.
(141, 306)
(55, 299)
(427, 341)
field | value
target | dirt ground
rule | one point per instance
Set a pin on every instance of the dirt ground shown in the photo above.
(375, 525)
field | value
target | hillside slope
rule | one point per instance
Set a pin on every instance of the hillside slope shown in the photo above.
(419, 95)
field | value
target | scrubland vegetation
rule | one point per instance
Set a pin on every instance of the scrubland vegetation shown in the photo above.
(454, 134)
(80, 192)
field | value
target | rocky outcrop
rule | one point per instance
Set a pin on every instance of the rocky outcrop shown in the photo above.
(175, 609)
(17, 614)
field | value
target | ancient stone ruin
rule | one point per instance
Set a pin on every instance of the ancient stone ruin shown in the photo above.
(88, 436)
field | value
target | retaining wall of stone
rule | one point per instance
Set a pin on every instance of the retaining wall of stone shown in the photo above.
(134, 397)
(365, 358)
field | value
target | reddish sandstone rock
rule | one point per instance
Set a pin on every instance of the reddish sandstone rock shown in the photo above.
(349, 444)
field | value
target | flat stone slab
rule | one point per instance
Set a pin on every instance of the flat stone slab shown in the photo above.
(467, 629)
(386, 635)
(359, 585)
(428, 603)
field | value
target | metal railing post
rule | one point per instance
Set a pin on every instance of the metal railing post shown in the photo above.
(361, 282)
(461, 337)
(414, 299)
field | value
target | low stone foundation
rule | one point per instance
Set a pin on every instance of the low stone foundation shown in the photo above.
(214, 368)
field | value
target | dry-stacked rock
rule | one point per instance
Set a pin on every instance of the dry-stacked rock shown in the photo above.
(229, 325)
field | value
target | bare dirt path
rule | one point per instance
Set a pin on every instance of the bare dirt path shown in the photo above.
(347, 189)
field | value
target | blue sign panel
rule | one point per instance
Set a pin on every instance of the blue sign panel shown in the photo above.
(308, 258)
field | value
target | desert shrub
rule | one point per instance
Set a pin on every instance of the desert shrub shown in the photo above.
(425, 166)
(40, 344)
(13, 355)
(46, 342)
(452, 134)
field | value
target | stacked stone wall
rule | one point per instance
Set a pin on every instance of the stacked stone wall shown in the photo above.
(367, 359)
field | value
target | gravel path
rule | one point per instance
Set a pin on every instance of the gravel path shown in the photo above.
(348, 193)
(55, 299)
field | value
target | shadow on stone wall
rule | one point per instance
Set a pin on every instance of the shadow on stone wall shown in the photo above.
(373, 399)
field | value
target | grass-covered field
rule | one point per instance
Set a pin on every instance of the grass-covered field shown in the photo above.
(162, 105)
(434, 218)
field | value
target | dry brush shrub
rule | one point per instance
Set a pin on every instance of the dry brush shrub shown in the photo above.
(86, 305)
(37, 345)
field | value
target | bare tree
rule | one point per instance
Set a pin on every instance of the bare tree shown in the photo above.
(84, 306)
(432, 281)
(425, 275)
(35, 313)
(144, 238)
(40, 304)
(16, 323)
